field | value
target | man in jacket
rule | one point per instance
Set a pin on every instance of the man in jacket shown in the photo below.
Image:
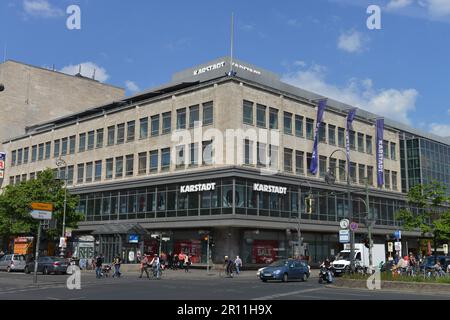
(144, 266)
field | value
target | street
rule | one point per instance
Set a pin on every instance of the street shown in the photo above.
(178, 285)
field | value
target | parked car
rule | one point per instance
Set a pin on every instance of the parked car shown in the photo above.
(12, 262)
(48, 265)
(285, 270)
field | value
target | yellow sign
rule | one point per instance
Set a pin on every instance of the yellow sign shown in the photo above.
(42, 206)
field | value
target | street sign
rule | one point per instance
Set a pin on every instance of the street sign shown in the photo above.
(41, 206)
(390, 247)
(353, 226)
(398, 246)
(165, 239)
(445, 246)
(344, 236)
(62, 242)
(42, 215)
(344, 223)
(398, 234)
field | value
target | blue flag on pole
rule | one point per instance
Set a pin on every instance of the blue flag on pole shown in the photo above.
(380, 152)
(350, 117)
(320, 111)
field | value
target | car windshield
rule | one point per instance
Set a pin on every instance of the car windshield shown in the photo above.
(343, 256)
(279, 263)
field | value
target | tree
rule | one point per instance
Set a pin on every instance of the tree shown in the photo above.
(432, 212)
(15, 204)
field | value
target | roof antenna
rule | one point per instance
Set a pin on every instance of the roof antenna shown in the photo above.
(231, 73)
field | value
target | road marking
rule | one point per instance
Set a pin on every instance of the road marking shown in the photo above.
(274, 296)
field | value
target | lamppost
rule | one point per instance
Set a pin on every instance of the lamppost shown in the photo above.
(330, 179)
(61, 163)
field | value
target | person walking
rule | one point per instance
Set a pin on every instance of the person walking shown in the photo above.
(170, 261)
(181, 257)
(98, 266)
(176, 262)
(187, 262)
(238, 264)
(144, 266)
(117, 262)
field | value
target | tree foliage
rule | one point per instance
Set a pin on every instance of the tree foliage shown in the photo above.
(15, 204)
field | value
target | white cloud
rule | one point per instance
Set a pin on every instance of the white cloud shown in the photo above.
(398, 4)
(87, 70)
(392, 103)
(294, 23)
(438, 8)
(131, 86)
(41, 8)
(442, 130)
(351, 41)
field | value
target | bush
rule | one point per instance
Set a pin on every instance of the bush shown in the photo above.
(387, 276)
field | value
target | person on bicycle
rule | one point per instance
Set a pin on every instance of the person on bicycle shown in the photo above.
(156, 266)
(438, 269)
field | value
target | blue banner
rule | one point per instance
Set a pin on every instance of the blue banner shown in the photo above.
(314, 158)
(350, 117)
(380, 152)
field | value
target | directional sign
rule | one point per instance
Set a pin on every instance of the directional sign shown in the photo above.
(41, 206)
(42, 215)
(398, 246)
(165, 239)
(390, 247)
(344, 236)
(445, 247)
(353, 226)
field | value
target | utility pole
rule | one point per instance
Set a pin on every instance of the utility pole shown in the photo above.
(207, 256)
(369, 225)
(36, 255)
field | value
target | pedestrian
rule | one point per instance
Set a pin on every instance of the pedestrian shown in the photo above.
(170, 261)
(117, 262)
(98, 266)
(155, 263)
(238, 264)
(187, 262)
(144, 266)
(181, 257)
(1, 254)
(176, 262)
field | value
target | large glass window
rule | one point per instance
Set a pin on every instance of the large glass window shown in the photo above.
(143, 128)
(273, 155)
(299, 126)
(386, 149)
(142, 163)
(165, 159)
(194, 116)
(360, 142)
(322, 166)
(64, 145)
(98, 170)
(57, 148)
(119, 167)
(99, 138)
(131, 130)
(260, 115)
(181, 118)
(167, 122)
(353, 171)
(342, 170)
(48, 150)
(70, 175)
(208, 115)
(81, 145)
(287, 160)
(89, 171)
(41, 151)
(299, 166)
(207, 152)
(193, 160)
(331, 134)
(34, 153)
(120, 133)
(370, 175)
(80, 173)
(129, 169)
(387, 179)
(351, 137)
(109, 168)
(273, 118)
(248, 152)
(26, 154)
(154, 161)
(91, 139)
(287, 122)
(180, 157)
(393, 151)
(155, 125)
(341, 137)
(369, 144)
(111, 132)
(310, 129)
(362, 173)
(262, 154)
(394, 180)
(72, 140)
(308, 163)
(19, 156)
(248, 112)
(322, 133)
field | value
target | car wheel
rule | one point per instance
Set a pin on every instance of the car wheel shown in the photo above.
(26, 270)
(8, 269)
(45, 271)
(304, 277)
(285, 277)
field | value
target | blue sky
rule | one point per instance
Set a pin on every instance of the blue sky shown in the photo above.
(401, 71)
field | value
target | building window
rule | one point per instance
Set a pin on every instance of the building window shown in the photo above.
(261, 115)
(351, 138)
(155, 125)
(80, 173)
(331, 134)
(180, 157)
(248, 152)
(360, 142)
(287, 160)
(142, 163)
(394, 180)
(322, 132)
(26, 152)
(341, 137)
(181, 118)
(273, 118)
(19, 156)
(299, 166)
(322, 166)
(193, 160)
(143, 128)
(98, 170)
(99, 138)
(332, 167)
(362, 173)
(261, 156)
(154, 161)
(131, 130)
(111, 132)
(64, 146)
(194, 116)
(299, 126)
(248, 112)
(166, 122)
(369, 144)
(393, 151)
(308, 163)
(165, 159)
(287, 119)
(13, 158)
(91, 140)
(69, 175)
(273, 156)
(56, 148)
(207, 152)
(33, 153)
(208, 114)
(129, 165)
(48, 150)
(109, 168)
(82, 143)
(353, 172)
(120, 133)
(342, 170)
(370, 175)
(41, 152)
(387, 181)
(119, 167)
(72, 140)
(32, 175)
(386, 149)
(89, 168)
(310, 129)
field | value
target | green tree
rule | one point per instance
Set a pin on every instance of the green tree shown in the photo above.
(15, 204)
(428, 211)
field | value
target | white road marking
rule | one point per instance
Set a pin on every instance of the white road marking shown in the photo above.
(274, 296)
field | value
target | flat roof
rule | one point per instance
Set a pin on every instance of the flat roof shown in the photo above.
(220, 68)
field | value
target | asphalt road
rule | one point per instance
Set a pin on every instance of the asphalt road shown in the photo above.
(178, 285)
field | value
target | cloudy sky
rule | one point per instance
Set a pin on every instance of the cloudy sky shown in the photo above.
(401, 71)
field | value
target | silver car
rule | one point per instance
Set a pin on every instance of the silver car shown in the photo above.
(12, 262)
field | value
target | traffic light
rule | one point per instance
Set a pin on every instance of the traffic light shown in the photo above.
(309, 204)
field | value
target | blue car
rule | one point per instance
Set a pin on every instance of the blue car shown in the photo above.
(285, 270)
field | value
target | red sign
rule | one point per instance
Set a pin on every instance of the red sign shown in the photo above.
(264, 251)
(192, 247)
(2, 165)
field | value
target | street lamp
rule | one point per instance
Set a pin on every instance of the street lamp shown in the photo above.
(61, 163)
(330, 179)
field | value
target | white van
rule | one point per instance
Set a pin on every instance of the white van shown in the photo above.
(12, 262)
(361, 257)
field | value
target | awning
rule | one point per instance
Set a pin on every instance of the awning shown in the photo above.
(121, 228)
